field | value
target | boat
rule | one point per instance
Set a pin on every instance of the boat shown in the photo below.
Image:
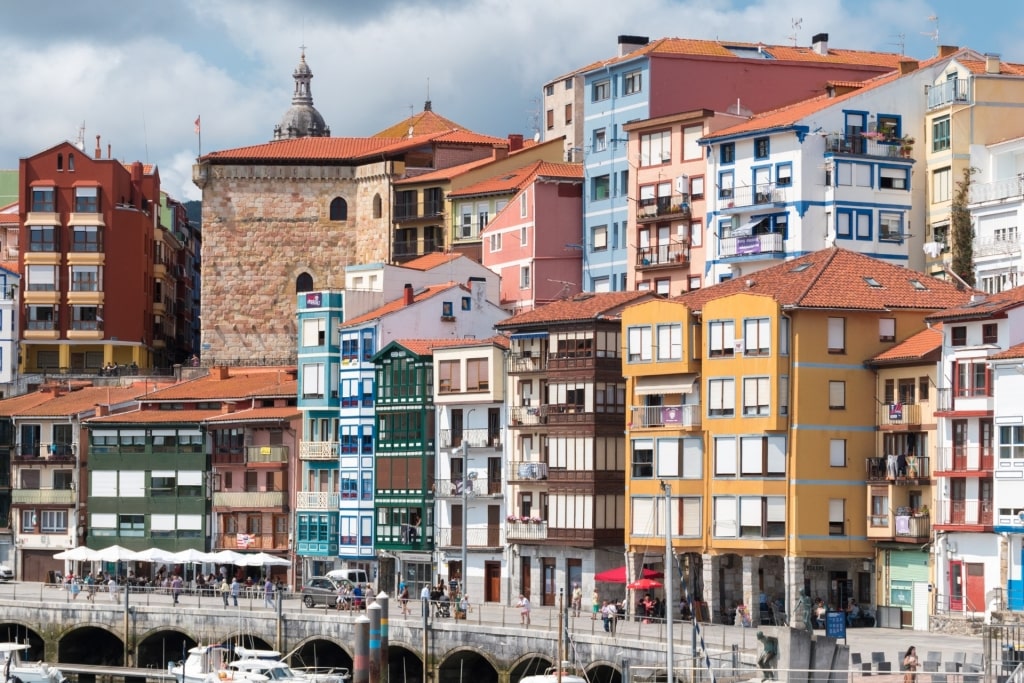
(15, 669)
(566, 673)
(218, 663)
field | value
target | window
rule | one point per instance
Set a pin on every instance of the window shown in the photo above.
(599, 237)
(697, 187)
(784, 175)
(887, 329)
(467, 303)
(314, 332)
(989, 333)
(890, 226)
(568, 83)
(632, 82)
(524, 203)
(892, 178)
(42, 317)
(43, 199)
(643, 458)
(958, 335)
(763, 456)
(86, 279)
(670, 342)
(837, 335)
(447, 311)
(853, 223)
(86, 238)
(87, 199)
(756, 396)
(600, 140)
(599, 187)
(42, 238)
(568, 114)
(550, 118)
(727, 153)
(940, 134)
(53, 521)
(601, 90)
(477, 376)
(495, 242)
(549, 89)
(761, 148)
(691, 134)
(655, 148)
(757, 337)
(922, 389)
(721, 338)
(313, 380)
(837, 453)
(725, 456)
(972, 379)
(836, 395)
(783, 394)
(448, 376)
(941, 185)
(524, 277)
(1011, 443)
(721, 397)
(41, 278)
(639, 344)
(836, 517)
(84, 318)
(725, 184)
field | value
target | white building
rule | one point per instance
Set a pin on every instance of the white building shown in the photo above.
(997, 213)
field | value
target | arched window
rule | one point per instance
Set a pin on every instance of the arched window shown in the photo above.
(71, 161)
(378, 206)
(339, 209)
(60, 162)
(304, 283)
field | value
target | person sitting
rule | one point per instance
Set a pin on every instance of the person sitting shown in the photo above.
(852, 612)
(742, 616)
(819, 613)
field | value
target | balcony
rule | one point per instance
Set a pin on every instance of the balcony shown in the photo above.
(526, 531)
(955, 91)
(907, 528)
(962, 400)
(674, 254)
(318, 450)
(895, 415)
(997, 246)
(522, 470)
(446, 537)
(771, 244)
(476, 438)
(317, 500)
(518, 364)
(266, 454)
(996, 191)
(963, 460)
(249, 500)
(43, 497)
(971, 513)
(452, 488)
(47, 452)
(887, 469)
(865, 145)
(252, 541)
(655, 209)
(675, 417)
(735, 199)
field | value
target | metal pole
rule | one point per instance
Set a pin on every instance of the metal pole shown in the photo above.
(670, 577)
(374, 614)
(382, 600)
(465, 516)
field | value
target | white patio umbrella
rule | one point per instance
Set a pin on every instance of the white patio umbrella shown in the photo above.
(114, 553)
(266, 560)
(154, 555)
(78, 554)
(190, 556)
(228, 557)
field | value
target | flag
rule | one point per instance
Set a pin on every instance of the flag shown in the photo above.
(197, 124)
(243, 541)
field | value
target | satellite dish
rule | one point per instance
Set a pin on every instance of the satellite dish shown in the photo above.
(536, 136)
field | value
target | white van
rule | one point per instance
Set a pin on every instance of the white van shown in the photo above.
(353, 576)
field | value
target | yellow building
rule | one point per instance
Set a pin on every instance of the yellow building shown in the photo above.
(784, 407)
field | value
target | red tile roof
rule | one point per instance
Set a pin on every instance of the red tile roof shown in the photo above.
(985, 306)
(916, 347)
(432, 260)
(977, 66)
(424, 123)
(445, 173)
(1015, 351)
(155, 416)
(837, 278)
(425, 347)
(241, 383)
(515, 180)
(250, 414)
(586, 306)
(81, 399)
(499, 340)
(396, 304)
(11, 266)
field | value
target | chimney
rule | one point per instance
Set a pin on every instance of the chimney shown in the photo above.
(427, 106)
(407, 297)
(499, 152)
(819, 43)
(947, 50)
(991, 63)
(102, 410)
(136, 171)
(220, 372)
(908, 66)
(629, 44)
(99, 152)
(227, 407)
(515, 142)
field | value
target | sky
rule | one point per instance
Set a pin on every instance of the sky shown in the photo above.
(139, 73)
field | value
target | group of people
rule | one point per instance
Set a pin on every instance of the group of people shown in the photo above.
(111, 370)
(91, 583)
(441, 597)
(356, 597)
(855, 614)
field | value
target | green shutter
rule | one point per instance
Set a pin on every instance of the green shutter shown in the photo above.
(908, 565)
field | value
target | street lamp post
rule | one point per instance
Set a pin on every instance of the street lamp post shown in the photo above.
(466, 482)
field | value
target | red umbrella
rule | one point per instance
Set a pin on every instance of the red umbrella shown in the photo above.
(643, 584)
(618, 575)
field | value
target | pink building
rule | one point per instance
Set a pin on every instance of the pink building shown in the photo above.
(535, 242)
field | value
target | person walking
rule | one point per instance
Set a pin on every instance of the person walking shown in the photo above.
(112, 587)
(268, 593)
(595, 604)
(176, 588)
(425, 599)
(609, 614)
(90, 587)
(403, 598)
(236, 588)
(910, 663)
(524, 610)
(225, 590)
(577, 599)
(75, 588)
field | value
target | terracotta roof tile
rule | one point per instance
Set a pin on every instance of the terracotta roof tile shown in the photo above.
(11, 266)
(838, 278)
(47, 404)
(396, 304)
(499, 340)
(586, 306)
(432, 260)
(425, 122)
(986, 306)
(424, 347)
(976, 66)
(154, 416)
(9, 218)
(1015, 351)
(915, 347)
(445, 173)
(242, 383)
(515, 180)
(273, 413)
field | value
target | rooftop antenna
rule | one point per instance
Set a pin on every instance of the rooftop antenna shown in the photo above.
(934, 35)
(80, 139)
(901, 43)
(796, 23)
(412, 113)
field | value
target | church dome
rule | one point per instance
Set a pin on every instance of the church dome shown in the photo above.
(302, 119)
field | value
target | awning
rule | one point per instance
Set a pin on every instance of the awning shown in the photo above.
(530, 335)
(746, 229)
(665, 384)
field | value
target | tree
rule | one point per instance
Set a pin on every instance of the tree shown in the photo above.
(962, 237)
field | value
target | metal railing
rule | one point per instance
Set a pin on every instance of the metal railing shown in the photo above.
(526, 531)
(318, 450)
(957, 90)
(521, 363)
(859, 145)
(967, 512)
(266, 453)
(525, 470)
(666, 416)
(764, 194)
(675, 253)
(476, 537)
(477, 438)
(964, 459)
(662, 207)
(253, 541)
(453, 488)
(899, 414)
(879, 469)
(317, 500)
(771, 243)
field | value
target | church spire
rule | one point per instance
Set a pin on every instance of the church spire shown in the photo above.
(302, 119)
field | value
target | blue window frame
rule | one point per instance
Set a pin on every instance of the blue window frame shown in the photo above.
(761, 147)
(890, 125)
(784, 174)
(726, 183)
(890, 226)
(893, 178)
(349, 349)
(854, 224)
(727, 152)
(369, 345)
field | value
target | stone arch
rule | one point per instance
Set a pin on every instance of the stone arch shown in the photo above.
(406, 660)
(332, 655)
(15, 631)
(339, 209)
(603, 671)
(90, 644)
(378, 206)
(159, 646)
(467, 663)
(303, 282)
(529, 664)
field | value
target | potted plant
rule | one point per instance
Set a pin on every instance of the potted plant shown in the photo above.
(906, 146)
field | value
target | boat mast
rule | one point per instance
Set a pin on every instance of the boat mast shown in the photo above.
(561, 635)
(669, 579)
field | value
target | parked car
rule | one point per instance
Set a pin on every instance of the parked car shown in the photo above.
(353, 576)
(320, 590)
(6, 573)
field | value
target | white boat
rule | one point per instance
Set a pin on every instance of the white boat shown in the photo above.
(220, 663)
(553, 675)
(14, 668)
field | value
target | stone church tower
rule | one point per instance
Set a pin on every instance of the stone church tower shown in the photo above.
(287, 216)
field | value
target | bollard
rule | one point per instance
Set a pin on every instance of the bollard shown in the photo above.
(373, 613)
(361, 663)
(385, 608)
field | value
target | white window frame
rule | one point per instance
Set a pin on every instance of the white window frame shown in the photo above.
(670, 342)
(722, 397)
(639, 344)
(836, 394)
(837, 453)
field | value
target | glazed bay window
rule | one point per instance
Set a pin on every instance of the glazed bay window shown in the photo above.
(86, 279)
(313, 380)
(41, 278)
(42, 317)
(86, 238)
(757, 339)
(639, 349)
(42, 238)
(85, 318)
(670, 342)
(477, 375)
(43, 200)
(721, 338)
(656, 148)
(721, 397)
(643, 458)
(87, 199)
(448, 377)
(163, 482)
(756, 396)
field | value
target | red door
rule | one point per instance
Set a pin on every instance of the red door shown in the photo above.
(959, 445)
(975, 592)
(956, 585)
